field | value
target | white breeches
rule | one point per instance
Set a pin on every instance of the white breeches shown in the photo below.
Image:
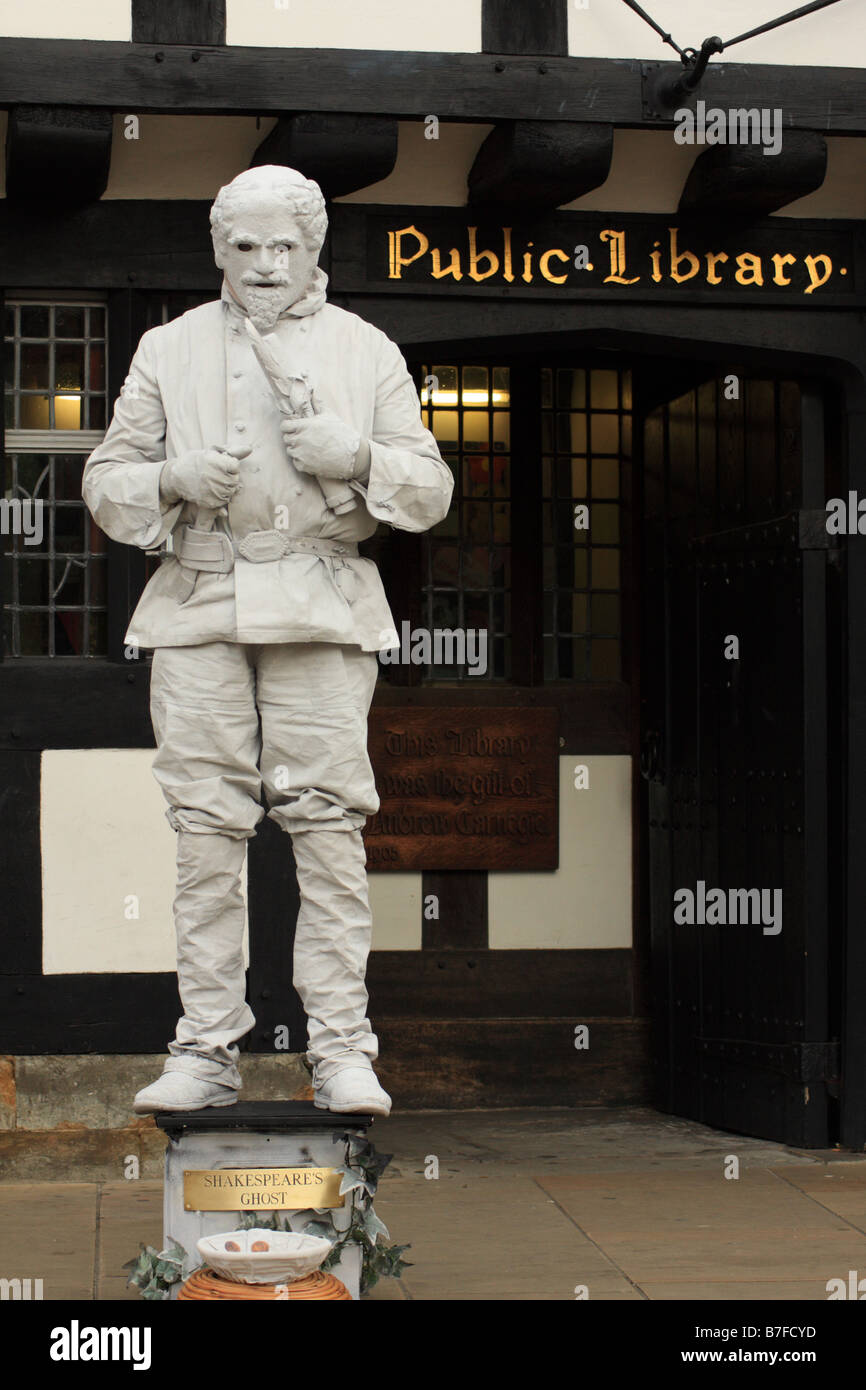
(229, 719)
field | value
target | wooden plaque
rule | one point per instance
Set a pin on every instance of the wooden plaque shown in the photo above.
(464, 788)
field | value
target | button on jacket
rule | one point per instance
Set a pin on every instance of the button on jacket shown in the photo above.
(195, 383)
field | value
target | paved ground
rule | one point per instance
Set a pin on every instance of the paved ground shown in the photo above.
(528, 1204)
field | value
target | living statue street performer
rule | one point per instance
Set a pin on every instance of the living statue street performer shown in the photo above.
(266, 433)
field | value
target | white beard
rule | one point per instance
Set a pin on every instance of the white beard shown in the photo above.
(265, 306)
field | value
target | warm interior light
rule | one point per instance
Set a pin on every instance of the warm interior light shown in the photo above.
(452, 398)
(67, 412)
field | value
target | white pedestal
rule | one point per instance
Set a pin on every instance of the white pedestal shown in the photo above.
(286, 1134)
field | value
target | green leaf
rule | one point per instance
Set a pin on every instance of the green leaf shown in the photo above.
(353, 1182)
(323, 1229)
(374, 1227)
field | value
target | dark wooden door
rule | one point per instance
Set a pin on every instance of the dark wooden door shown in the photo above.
(736, 758)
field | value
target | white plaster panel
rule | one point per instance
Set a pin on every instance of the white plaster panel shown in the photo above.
(843, 192)
(587, 901)
(395, 901)
(448, 26)
(66, 19)
(834, 37)
(181, 156)
(647, 172)
(427, 172)
(104, 838)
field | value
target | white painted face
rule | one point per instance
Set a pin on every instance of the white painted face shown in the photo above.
(264, 259)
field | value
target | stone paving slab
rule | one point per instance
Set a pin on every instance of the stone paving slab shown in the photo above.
(130, 1215)
(838, 1186)
(48, 1232)
(499, 1238)
(693, 1229)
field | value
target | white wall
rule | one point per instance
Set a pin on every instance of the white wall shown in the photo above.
(105, 838)
(395, 901)
(834, 37)
(587, 901)
(181, 156)
(66, 19)
(452, 26)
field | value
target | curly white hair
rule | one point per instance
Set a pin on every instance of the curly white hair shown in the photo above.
(278, 183)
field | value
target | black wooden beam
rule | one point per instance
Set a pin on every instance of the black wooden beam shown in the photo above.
(460, 919)
(454, 86)
(739, 183)
(524, 26)
(179, 21)
(110, 244)
(539, 165)
(342, 152)
(59, 156)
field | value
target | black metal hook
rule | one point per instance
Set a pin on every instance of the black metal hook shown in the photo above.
(671, 91)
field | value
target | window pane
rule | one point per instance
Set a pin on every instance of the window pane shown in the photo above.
(605, 477)
(604, 390)
(35, 368)
(476, 476)
(571, 387)
(605, 434)
(605, 664)
(69, 367)
(604, 523)
(34, 413)
(35, 322)
(605, 569)
(476, 565)
(69, 322)
(476, 428)
(476, 386)
(605, 614)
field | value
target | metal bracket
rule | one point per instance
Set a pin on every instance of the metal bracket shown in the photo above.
(798, 1061)
(813, 533)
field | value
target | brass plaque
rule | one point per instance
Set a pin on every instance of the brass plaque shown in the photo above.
(260, 1189)
(464, 788)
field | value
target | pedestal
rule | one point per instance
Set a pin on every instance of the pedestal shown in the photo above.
(247, 1142)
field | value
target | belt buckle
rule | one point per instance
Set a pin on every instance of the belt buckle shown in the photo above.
(260, 546)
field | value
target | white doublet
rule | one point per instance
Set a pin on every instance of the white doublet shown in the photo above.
(195, 383)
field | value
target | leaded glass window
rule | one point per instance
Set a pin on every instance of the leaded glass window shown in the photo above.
(54, 555)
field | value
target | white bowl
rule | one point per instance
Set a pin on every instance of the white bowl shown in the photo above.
(290, 1255)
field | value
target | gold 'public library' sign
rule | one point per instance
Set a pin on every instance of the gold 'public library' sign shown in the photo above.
(602, 254)
(259, 1189)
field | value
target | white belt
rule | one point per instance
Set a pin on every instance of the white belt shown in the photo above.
(214, 551)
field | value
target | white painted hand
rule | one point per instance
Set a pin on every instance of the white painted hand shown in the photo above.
(321, 444)
(209, 477)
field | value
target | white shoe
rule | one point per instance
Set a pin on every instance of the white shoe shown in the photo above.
(175, 1090)
(353, 1091)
